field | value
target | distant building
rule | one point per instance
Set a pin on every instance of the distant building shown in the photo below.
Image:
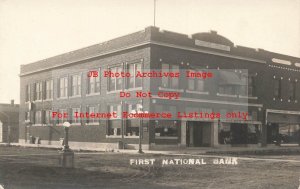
(270, 95)
(9, 122)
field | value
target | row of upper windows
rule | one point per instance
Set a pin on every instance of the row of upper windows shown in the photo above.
(278, 89)
(45, 89)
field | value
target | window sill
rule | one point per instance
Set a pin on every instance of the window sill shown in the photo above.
(131, 136)
(37, 101)
(62, 98)
(113, 92)
(166, 137)
(95, 123)
(227, 95)
(170, 89)
(49, 99)
(248, 97)
(77, 96)
(197, 92)
(113, 136)
(35, 125)
(134, 89)
(93, 94)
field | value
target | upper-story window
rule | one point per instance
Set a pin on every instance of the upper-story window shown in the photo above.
(168, 82)
(92, 110)
(251, 86)
(277, 88)
(28, 93)
(133, 81)
(63, 87)
(75, 119)
(38, 90)
(229, 82)
(76, 85)
(292, 90)
(93, 83)
(62, 119)
(48, 118)
(195, 84)
(38, 117)
(49, 89)
(247, 85)
(115, 83)
(115, 124)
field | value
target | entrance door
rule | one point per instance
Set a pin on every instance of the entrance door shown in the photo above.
(239, 133)
(194, 133)
(198, 135)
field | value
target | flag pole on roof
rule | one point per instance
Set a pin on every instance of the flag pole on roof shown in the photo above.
(154, 13)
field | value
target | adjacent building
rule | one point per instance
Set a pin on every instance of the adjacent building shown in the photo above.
(9, 122)
(262, 83)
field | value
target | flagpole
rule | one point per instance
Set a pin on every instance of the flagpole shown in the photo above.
(154, 12)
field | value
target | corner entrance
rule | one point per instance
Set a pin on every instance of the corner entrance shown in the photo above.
(198, 134)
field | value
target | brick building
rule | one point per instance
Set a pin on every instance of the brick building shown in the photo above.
(9, 122)
(270, 93)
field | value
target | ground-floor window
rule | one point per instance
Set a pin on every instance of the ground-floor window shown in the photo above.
(236, 133)
(283, 133)
(114, 127)
(132, 127)
(166, 128)
(289, 133)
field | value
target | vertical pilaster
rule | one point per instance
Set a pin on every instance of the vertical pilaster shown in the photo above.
(183, 134)
(214, 134)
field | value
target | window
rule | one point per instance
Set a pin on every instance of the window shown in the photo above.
(49, 89)
(251, 86)
(27, 98)
(63, 87)
(133, 81)
(38, 90)
(244, 85)
(76, 85)
(132, 125)
(292, 90)
(62, 119)
(166, 128)
(168, 82)
(75, 119)
(195, 84)
(247, 85)
(27, 116)
(227, 89)
(92, 109)
(48, 118)
(115, 83)
(94, 84)
(38, 117)
(277, 88)
(114, 125)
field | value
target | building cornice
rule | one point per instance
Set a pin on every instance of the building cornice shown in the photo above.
(213, 101)
(282, 111)
(143, 44)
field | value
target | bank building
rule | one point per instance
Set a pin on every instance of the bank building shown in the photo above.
(262, 83)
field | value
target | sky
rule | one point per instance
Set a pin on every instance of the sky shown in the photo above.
(32, 30)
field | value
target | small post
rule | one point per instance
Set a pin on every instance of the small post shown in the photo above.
(67, 155)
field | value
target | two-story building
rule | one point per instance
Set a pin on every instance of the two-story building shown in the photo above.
(263, 84)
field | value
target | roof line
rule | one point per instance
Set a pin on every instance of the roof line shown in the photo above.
(147, 43)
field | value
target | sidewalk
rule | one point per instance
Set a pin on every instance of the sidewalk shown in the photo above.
(220, 150)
